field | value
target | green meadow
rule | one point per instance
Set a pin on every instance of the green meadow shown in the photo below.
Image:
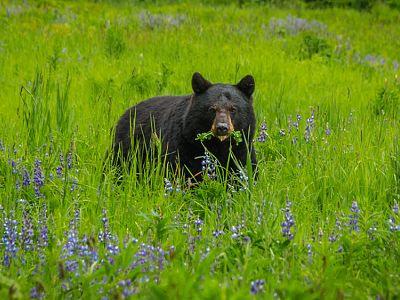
(319, 221)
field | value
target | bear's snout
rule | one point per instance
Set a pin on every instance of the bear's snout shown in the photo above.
(222, 126)
(222, 129)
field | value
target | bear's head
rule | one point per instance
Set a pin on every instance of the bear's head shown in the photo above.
(221, 108)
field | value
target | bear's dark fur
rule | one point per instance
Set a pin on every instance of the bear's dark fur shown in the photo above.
(177, 120)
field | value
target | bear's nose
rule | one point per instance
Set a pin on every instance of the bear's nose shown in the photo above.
(222, 129)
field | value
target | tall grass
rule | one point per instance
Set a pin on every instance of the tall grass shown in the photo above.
(319, 221)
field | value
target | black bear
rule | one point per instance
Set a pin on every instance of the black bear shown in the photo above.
(177, 121)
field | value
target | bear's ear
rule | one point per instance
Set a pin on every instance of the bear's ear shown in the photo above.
(199, 84)
(246, 85)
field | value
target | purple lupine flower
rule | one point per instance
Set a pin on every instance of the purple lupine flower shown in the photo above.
(327, 130)
(340, 249)
(128, 289)
(288, 222)
(235, 232)
(282, 132)
(107, 238)
(353, 223)
(60, 167)
(74, 184)
(59, 171)
(18, 185)
(37, 293)
(393, 226)
(244, 180)
(371, 232)
(27, 233)
(43, 238)
(26, 178)
(217, 233)
(350, 119)
(2, 148)
(209, 166)
(15, 166)
(309, 253)
(168, 187)
(150, 258)
(38, 178)
(257, 286)
(262, 135)
(71, 246)
(294, 25)
(198, 223)
(296, 123)
(335, 235)
(69, 160)
(309, 125)
(9, 238)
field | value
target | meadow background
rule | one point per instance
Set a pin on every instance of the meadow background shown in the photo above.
(321, 221)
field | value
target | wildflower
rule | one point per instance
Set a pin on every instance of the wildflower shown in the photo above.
(107, 238)
(60, 167)
(327, 130)
(340, 249)
(309, 125)
(167, 187)
(244, 180)
(38, 177)
(71, 246)
(235, 233)
(296, 125)
(309, 253)
(15, 166)
(26, 178)
(209, 166)
(334, 236)
(282, 132)
(354, 226)
(37, 293)
(43, 238)
(371, 232)
(127, 288)
(257, 286)
(27, 234)
(393, 226)
(9, 239)
(198, 224)
(262, 135)
(69, 160)
(217, 233)
(294, 25)
(350, 119)
(288, 222)
(74, 184)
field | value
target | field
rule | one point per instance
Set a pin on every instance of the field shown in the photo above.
(320, 221)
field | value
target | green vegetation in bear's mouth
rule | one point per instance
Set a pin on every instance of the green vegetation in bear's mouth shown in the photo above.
(237, 136)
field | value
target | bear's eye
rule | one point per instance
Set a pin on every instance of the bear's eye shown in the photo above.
(232, 109)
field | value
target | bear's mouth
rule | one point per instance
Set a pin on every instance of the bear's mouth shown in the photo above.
(222, 137)
(221, 130)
